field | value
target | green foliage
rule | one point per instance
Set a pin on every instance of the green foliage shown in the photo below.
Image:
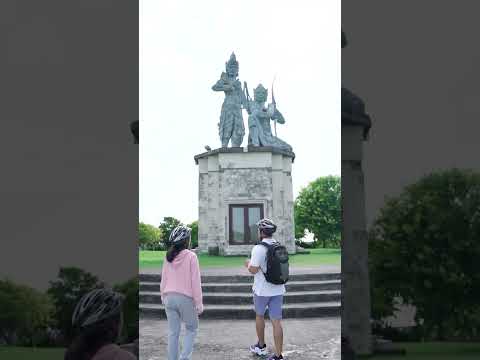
(167, 226)
(318, 209)
(130, 308)
(194, 227)
(424, 248)
(149, 237)
(66, 291)
(25, 312)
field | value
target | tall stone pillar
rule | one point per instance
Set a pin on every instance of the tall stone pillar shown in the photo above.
(355, 277)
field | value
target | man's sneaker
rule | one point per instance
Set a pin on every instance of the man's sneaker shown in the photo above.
(275, 357)
(256, 349)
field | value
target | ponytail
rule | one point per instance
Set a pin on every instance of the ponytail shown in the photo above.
(175, 249)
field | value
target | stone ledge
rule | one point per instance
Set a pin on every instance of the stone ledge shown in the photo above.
(251, 149)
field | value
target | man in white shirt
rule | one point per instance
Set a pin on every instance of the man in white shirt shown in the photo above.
(266, 294)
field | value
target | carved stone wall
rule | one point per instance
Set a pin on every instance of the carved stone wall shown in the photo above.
(233, 176)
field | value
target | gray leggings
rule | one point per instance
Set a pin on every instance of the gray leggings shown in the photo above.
(180, 309)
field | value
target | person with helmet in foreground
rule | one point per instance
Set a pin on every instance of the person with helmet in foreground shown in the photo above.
(181, 291)
(98, 319)
(269, 264)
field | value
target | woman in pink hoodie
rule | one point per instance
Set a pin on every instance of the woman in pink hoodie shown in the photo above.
(181, 291)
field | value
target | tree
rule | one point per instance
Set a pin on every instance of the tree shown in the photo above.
(130, 308)
(194, 227)
(167, 226)
(25, 312)
(149, 236)
(318, 209)
(424, 249)
(71, 285)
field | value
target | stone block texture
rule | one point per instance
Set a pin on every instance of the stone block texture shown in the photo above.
(243, 177)
(355, 277)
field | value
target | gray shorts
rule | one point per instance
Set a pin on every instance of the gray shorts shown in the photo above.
(274, 304)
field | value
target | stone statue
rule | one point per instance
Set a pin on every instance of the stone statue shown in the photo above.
(259, 117)
(231, 125)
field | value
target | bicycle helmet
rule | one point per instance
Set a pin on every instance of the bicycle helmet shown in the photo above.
(95, 306)
(180, 234)
(267, 226)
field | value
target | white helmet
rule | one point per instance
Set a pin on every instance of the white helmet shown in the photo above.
(95, 306)
(267, 226)
(180, 234)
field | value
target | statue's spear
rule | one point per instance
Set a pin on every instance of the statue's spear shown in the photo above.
(274, 106)
(247, 96)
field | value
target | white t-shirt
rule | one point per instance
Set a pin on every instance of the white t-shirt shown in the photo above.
(261, 287)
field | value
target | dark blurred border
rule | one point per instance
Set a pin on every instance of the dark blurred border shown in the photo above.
(415, 67)
(69, 160)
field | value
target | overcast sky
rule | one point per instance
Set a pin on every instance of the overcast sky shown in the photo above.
(183, 49)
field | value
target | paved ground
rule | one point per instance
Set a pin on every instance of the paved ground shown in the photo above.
(305, 339)
(317, 269)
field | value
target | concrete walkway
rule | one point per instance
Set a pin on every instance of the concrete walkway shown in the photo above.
(304, 339)
(216, 271)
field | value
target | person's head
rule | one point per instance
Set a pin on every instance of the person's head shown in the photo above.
(98, 321)
(260, 94)
(266, 228)
(179, 240)
(231, 66)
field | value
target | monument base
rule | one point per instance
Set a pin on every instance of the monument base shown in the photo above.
(237, 187)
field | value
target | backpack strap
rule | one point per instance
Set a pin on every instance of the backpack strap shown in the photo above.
(268, 246)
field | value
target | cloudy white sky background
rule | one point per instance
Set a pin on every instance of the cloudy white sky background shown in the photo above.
(183, 49)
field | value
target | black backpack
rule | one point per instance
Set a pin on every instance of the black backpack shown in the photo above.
(277, 263)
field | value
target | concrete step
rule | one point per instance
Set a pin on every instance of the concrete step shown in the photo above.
(303, 310)
(246, 278)
(149, 297)
(225, 287)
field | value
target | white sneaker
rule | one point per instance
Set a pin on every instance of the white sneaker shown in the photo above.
(256, 349)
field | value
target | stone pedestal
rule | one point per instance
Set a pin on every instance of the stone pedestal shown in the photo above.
(255, 176)
(355, 276)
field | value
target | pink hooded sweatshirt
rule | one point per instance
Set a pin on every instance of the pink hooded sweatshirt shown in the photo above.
(182, 276)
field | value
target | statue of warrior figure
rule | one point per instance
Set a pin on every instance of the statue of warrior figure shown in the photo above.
(259, 116)
(231, 119)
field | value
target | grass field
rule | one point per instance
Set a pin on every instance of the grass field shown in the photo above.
(149, 259)
(22, 353)
(441, 351)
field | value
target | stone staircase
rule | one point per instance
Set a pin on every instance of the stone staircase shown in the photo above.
(230, 297)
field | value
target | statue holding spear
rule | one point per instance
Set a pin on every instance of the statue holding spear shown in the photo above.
(259, 117)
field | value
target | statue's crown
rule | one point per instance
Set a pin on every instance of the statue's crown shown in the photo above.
(260, 90)
(232, 61)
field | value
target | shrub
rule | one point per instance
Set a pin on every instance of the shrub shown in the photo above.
(424, 248)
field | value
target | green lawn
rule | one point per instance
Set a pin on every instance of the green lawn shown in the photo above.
(23, 353)
(441, 351)
(149, 259)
